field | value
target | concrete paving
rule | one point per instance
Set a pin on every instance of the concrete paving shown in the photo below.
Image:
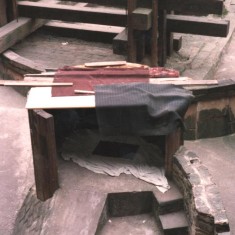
(16, 171)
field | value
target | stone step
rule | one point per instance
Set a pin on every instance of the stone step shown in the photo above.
(170, 201)
(174, 223)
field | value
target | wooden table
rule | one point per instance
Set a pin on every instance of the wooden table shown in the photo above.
(43, 137)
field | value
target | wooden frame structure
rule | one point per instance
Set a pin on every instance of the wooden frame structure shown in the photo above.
(43, 138)
(152, 20)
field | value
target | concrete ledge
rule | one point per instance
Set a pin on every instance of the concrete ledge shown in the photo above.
(206, 213)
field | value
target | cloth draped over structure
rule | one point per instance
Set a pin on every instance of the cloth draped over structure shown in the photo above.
(140, 108)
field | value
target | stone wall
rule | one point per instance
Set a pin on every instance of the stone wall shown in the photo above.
(206, 213)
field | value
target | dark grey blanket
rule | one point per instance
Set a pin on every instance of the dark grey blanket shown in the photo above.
(140, 108)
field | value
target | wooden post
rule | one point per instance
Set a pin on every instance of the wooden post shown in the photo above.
(154, 34)
(172, 143)
(132, 54)
(162, 38)
(3, 12)
(44, 153)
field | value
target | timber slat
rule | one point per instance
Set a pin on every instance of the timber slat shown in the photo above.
(104, 16)
(33, 83)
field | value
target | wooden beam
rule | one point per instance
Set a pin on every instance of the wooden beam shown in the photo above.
(104, 16)
(154, 34)
(120, 43)
(196, 25)
(162, 38)
(193, 6)
(142, 18)
(88, 32)
(16, 30)
(44, 153)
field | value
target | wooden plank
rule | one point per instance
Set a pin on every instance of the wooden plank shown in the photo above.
(131, 42)
(88, 32)
(196, 25)
(83, 92)
(105, 63)
(184, 83)
(44, 153)
(33, 83)
(16, 30)
(104, 16)
(142, 18)
(193, 6)
(46, 101)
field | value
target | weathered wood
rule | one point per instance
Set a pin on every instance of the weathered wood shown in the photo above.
(44, 153)
(88, 32)
(172, 143)
(120, 43)
(17, 30)
(154, 34)
(104, 16)
(177, 42)
(162, 37)
(142, 18)
(196, 25)
(131, 42)
(105, 63)
(184, 83)
(181, 24)
(3, 12)
(193, 6)
(33, 83)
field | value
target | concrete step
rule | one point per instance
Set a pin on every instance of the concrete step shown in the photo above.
(170, 201)
(174, 223)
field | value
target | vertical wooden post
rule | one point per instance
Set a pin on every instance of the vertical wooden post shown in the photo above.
(132, 54)
(154, 34)
(8, 11)
(44, 153)
(172, 143)
(3, 12)
(162, 38)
